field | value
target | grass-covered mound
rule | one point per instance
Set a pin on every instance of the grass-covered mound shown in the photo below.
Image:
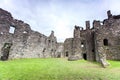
(57, 69)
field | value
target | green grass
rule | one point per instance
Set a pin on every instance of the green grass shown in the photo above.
(57, 69)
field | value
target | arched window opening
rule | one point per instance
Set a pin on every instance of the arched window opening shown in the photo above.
(105, 42)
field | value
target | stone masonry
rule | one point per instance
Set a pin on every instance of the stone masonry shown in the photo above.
(98, 43)
(26, 43)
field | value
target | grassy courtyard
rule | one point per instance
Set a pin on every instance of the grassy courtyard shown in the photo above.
(57, 69)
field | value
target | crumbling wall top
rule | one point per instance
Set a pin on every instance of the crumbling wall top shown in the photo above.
(77, 27)
(5, 16)
(110, 16)
(7, 21)
(76, 32)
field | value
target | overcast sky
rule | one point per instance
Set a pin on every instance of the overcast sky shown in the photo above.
(59, 15)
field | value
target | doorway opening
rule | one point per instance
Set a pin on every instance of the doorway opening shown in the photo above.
(66, 54)
(5, 51)
(93, 50)
(85, 56)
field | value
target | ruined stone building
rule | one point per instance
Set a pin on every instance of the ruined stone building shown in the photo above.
(98, 43)
(17, 40)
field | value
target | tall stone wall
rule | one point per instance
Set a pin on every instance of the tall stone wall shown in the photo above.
(108, 38)
(72, 46)
(26, 43)
(68, 47)
(76, 46)
(87, 43)
(60, 50)
(98, 43)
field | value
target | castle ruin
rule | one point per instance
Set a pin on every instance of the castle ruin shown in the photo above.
(98, 43)
(23, 42)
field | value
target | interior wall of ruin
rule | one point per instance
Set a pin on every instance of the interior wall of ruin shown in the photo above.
(26, 42)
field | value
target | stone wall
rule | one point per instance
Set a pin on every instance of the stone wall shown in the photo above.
(59, 50)
(87, 43)
(72, 46)
(108, 38)
(68, 47)
(26, 42)
(98, 43)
